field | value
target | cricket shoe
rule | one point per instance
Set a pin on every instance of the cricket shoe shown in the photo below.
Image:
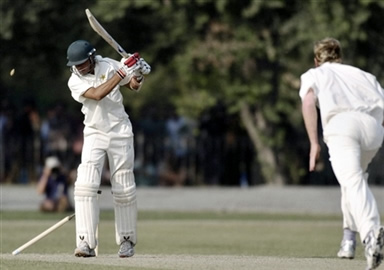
(374, 244)
(347, 249)
(126, 249)
(83, 250)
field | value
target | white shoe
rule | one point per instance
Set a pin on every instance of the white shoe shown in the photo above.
(83, 250)
(374, 244)
(126, 249)
(347, 249)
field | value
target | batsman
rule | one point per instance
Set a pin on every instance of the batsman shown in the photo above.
(95, 83)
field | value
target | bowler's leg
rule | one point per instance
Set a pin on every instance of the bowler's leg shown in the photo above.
(345, 156)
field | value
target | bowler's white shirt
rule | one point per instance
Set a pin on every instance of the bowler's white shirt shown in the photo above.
(342, 88)
(105, 114)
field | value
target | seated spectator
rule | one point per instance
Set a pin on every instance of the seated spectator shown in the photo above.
(53, 183)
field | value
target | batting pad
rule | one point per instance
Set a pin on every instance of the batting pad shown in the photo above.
(86, 204)
(124, 199)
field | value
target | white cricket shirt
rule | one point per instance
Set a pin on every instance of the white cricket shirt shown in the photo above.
(342, 88)
(105, 114)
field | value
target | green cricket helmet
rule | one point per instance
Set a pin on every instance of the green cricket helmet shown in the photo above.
(79, 52)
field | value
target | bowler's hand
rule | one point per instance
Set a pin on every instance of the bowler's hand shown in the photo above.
(314, 155)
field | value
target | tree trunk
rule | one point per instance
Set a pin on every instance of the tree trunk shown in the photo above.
(255, 126)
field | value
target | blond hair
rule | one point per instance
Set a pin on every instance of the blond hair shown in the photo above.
(327, 50)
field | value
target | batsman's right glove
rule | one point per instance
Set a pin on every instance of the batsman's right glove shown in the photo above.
(145, 68)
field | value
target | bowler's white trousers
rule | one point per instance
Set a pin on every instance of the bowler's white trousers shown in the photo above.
(353, 139)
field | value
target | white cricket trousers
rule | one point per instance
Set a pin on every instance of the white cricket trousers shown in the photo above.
(118, 146)
(353, 140)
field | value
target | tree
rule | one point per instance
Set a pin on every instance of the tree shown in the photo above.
(250, 54)
(247, 54)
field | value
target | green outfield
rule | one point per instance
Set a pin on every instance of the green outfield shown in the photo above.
(193, 240)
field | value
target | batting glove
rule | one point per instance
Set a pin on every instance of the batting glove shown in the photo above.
(145, 68)
(130, 68)
(127, 72)
(131, 60)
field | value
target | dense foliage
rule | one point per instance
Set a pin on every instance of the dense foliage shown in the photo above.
(247, 55)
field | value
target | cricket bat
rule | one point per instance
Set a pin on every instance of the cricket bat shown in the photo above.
(99, 29)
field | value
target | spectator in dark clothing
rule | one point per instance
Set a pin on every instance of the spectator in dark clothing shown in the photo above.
(53, 184)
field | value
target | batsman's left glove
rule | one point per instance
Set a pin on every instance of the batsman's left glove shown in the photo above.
(130, 68)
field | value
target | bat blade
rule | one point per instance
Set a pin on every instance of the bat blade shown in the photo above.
(99, 29)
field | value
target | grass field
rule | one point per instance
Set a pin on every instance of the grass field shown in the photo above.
(194, 240)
